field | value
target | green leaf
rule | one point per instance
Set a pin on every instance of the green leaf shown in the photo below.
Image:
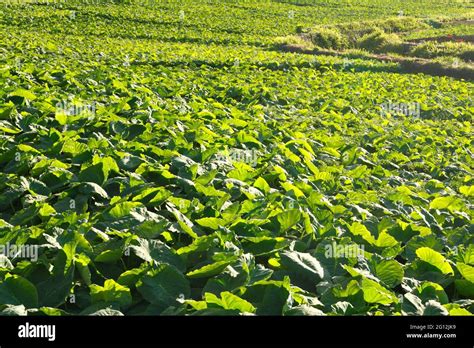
(111, 292)
(271, 296)
(412, 305)
(264, 245)
(459, 312)
(163, 286)
(199, 244)
(95, 174)
(466, 271)
(108, 164)
(53, 291)
(468, 255)
(16, 290)
(209, 190)
(262, 185)
(211, 269)
(435, 259)
(288, 218)
(210, 222)
(358, 229)
(303, 264)
(158, 252)
(91, 188)
(46, 210)
(61, 117)
(451, 203)
(465, 287)
(385, 240)
(230, 301)
(467, 190)
(434, 308)
(432, 291)
(390, 273)
(376, 293)
(23, 93)
(123, 209)
(130, 278)
(109, 256)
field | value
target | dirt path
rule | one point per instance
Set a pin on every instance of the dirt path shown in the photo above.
(411, 65)
(446, 38)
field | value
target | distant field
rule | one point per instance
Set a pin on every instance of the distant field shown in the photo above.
(230, 157)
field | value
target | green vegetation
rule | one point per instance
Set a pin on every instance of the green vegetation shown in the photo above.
(396, 39)
(431, 49)
(328, 38)
(380, 42)
(163, 158)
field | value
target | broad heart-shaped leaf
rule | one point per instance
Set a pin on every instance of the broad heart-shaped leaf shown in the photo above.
(434, 308)
(130, 278)
(467, 190)
(271, 297)
(210, 222)
(390, 272)
(358, 229)
(109, 256)
(288, 218)
(459, 312)
(91, 188)
(163, 286)
(129, 216)
(468, 255)
(303, 266)
(376, 293)
(451, 203)
(94, 173)
(111, 292)
(435, 259)
(53, 291)
(264, 245)
(262, 185)
(198, 245)
(465, 287)
(384, 239)
(466, 271)
(23, 93)
(123, 209)
(412, 305)
(16, 290)
(229, 301)
(108, 164)
(432, 291)
(157, 251)
(211, 269)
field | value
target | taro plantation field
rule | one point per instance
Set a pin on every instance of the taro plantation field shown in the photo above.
(267, 157)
